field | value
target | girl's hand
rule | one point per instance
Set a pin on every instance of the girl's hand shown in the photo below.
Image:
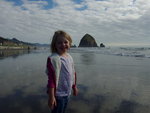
(75, 91)
(52, 102)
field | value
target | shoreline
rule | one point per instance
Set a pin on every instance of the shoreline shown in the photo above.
(16, 48)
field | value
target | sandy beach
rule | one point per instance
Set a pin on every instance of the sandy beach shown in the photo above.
(107, 83)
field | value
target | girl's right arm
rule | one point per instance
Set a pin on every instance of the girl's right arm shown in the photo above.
(51, 84)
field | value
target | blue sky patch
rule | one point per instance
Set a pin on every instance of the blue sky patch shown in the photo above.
(16, 2)
(51, 3)
(78, 1)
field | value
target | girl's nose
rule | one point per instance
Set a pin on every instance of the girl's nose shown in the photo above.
(63, 44)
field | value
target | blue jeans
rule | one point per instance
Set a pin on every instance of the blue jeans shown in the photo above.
(61, 104)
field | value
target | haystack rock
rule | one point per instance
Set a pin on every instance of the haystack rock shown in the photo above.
(87, 41)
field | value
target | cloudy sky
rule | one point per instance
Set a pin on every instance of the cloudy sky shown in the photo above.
(112, 22)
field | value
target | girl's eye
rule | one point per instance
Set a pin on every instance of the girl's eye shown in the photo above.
(66, 42)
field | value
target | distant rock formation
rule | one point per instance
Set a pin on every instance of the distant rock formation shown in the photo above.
(102, 45)
(87, 41)
(73, 46)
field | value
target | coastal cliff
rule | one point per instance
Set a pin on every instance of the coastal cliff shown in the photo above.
(17, 44)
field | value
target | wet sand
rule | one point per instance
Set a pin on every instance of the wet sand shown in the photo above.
(107, 84)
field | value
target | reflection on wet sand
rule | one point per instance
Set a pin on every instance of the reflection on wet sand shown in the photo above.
(88, 58)
(18, 103)
(13, 53)
(106, 84)
(99, 103)
(84, 103)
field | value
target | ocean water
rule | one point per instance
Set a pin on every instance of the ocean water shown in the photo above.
(110, 80)
(143, 52)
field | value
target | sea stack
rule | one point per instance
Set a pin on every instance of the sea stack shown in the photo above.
(87, 41)
(102, 45)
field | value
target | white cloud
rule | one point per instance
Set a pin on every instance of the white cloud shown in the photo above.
(110, 21)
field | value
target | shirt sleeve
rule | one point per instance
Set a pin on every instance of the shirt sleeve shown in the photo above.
(51, 74)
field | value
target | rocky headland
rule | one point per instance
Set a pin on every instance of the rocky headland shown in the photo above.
(17, 44)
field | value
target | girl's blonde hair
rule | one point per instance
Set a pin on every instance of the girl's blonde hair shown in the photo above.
(56, 37)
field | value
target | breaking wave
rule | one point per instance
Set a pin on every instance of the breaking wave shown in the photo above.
(143, 52)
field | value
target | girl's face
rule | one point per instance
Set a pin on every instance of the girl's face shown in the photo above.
(62, 45)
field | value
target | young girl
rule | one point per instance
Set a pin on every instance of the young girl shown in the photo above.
(61, 73)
